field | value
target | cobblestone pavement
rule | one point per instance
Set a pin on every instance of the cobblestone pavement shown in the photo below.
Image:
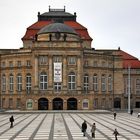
(67, 126)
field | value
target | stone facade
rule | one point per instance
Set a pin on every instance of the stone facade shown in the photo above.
(59, 70)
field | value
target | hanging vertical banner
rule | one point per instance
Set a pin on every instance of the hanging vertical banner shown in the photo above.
(58, 72)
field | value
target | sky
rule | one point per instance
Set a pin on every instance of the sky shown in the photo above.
(110, 23)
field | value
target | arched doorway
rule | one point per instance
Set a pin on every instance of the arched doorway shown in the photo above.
(57, 104)
(72, 104)
(117, 103)
(43, 104)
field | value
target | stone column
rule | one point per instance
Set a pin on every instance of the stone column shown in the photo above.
(64, 73)
(36, 71)
(50, 74)
(79, 74)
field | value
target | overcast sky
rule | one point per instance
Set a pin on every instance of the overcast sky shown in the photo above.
(111, 23)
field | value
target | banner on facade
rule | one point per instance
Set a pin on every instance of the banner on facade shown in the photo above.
(58, 72)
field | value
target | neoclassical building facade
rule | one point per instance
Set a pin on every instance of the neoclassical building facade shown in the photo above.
(57, 69)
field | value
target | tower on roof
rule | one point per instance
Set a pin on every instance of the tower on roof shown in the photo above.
(56, 15)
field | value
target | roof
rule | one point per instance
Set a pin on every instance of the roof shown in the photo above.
(129, 60)
(34, 29)
(56, 13)
(57, 27)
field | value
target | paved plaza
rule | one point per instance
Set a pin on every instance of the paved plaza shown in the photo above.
(67, 126)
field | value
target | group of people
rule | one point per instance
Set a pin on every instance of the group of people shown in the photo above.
(93, 129)
(84, 128)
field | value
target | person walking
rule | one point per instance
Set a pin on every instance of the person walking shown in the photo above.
(131, 112)
(115, 114)
(84, 127)
(93, 128)
(116, 133)
(11, 119)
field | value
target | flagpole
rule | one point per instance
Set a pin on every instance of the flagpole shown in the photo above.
(129, 89)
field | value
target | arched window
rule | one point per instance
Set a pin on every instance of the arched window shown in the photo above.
(86, 82)
(11, 82)
(19, 82)
(109, 83)
(103, 83)
(43, 81)
(3, 82)
(95, 82)
(71, 81)
(28, 83)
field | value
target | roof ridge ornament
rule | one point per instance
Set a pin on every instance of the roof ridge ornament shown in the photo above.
(54, 10)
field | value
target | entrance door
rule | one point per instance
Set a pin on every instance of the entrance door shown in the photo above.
(57, 104)
(117, 103)
(43, 104)
(72, 104)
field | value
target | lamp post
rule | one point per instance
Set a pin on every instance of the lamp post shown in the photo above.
(129, 89)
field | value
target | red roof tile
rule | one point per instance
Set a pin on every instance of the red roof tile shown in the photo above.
(129, 60)
(34, 28)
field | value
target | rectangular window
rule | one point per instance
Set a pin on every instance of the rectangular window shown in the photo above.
(96, 103)
(103, 84)
(43, 82)
(95, 83)
(3, 83)
(71, 83)
(3, 64)
(19, 63)
(86, 62)
(18, 104)
(3, 102)
(109, 83)
(11, 83)
(57, 87)
(10, 102)
(28, 62)
(43, 60)
(11, 64)
(86, 82)
(28, 83)
(137, 86)
(72, 60)
(19, 83)
(95, 64)
(57, 59)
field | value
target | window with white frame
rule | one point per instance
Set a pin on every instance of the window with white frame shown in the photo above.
(72, 60)
(103, 83)
(95, 82)
(109, 83)
(3, 82)
(57, 86)
(19, 82)
(28, 83)
(86, 82)
(11, 82)
(43, 81)
(71, 81)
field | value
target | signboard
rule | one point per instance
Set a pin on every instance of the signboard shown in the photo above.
(58, 72)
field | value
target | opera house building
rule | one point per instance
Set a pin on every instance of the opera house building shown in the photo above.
(58, 69)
